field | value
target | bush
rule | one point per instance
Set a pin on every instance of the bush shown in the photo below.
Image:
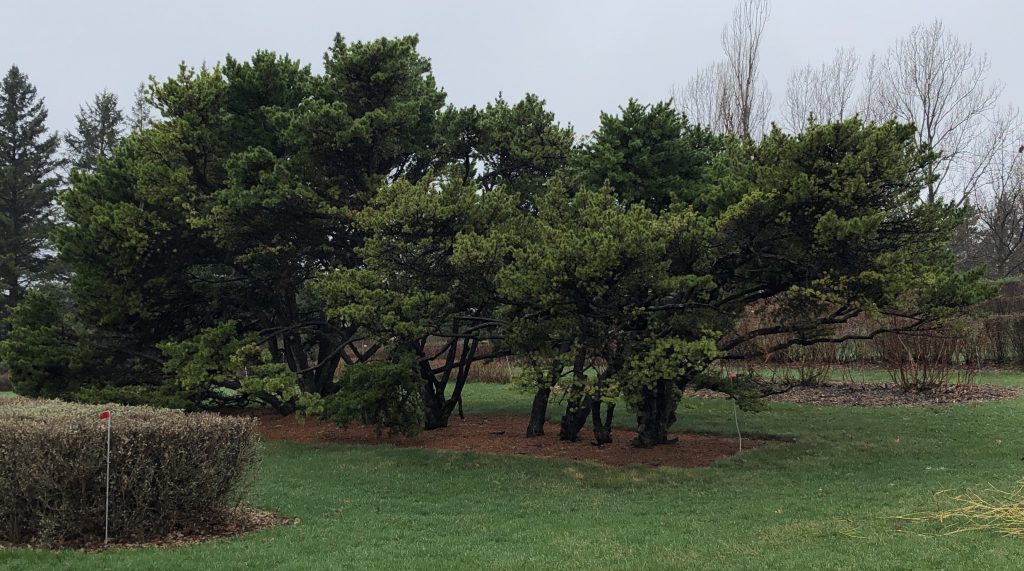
(170, 471)
(159, 396)
(800, 365)
(386, 395)
(946, 359)
(1003, 339)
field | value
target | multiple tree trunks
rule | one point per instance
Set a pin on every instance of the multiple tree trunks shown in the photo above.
(654, 419)
(602, 428)
(316, 376)
(578, 404)
(656, 414)
(575, 418)
(459, 352)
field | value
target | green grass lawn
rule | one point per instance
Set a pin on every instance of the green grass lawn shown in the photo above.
(829, 500)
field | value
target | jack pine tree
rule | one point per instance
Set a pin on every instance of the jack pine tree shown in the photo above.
(29, 181)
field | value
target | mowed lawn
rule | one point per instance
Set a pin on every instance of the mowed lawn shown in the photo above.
(829, 499)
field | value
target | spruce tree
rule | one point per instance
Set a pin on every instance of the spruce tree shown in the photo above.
(100, 127)
(141, 114)
(28, 185)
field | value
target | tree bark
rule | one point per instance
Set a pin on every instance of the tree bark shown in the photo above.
(575, 418)
(437, 408)
(433, 407)
(432, 393)
(329, 351)
(577, 409)
(602, 429)
(465, 362)
(657, 413)
(538, 412)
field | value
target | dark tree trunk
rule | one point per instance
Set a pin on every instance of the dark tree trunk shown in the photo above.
(294, 350)
(438, 408)
(432, 393)
(575, 418)
(433, 407)
(656, 415)
(577, 409)
(465, 363)
(275, 351)
(329, 350)
(459, 353)
(602, 429)
(538, 412)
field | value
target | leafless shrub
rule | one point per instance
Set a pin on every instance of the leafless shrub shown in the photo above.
(170, 471)
(1002, 339)
(804, 365)
(945, 359)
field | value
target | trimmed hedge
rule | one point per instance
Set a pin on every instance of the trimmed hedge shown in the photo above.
(170, 471)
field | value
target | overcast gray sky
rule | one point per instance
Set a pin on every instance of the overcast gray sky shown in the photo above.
(582, 56)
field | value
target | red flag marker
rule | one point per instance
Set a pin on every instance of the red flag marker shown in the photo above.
(105, 415)
(732, 375)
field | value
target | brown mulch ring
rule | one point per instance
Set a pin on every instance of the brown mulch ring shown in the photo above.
(246, 519)
(879, 394)
(506, 435)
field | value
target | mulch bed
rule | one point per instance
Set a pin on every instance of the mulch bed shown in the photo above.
(879, 394)
(506, 435)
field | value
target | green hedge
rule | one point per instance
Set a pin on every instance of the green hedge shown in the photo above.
(170, 471)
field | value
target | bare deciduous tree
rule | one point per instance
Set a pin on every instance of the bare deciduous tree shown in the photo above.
(995, 234)
(824, 92)
(932, 79)
(730, 96)
(704, 97)
(750, 101)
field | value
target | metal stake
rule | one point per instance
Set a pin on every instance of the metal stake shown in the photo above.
(106, 511)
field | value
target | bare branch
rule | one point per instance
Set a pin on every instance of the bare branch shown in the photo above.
(730, 96)
(935, 81)
(824, 93)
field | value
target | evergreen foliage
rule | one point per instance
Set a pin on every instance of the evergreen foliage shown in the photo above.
(99, 128)
(276, 226)
(29, 179)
